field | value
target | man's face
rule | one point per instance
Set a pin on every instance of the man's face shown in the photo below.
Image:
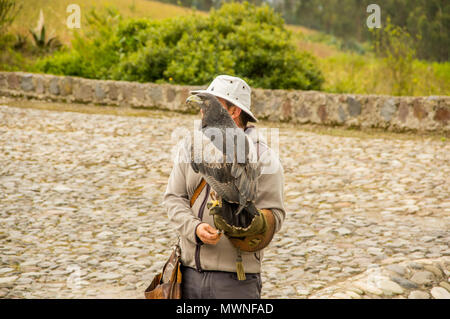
(234, 111)
(224, 103)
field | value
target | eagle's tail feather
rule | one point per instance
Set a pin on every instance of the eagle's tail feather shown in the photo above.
(239, 210)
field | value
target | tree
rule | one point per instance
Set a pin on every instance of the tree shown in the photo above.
(395, 46)
(431, 23)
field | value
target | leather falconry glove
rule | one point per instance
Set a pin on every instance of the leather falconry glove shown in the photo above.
(251, 230)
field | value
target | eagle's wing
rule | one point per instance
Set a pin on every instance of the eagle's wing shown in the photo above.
(246, 173)
(209, 159)
(234, 178)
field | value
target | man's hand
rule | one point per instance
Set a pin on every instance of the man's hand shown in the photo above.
(208, 234)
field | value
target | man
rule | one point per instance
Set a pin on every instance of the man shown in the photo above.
(209, 258)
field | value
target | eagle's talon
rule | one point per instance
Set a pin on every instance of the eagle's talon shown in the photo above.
(213, 203)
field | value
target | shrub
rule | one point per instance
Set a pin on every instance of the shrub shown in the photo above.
(93, 53)
(10, 59)
(395, 46)
(238, 39)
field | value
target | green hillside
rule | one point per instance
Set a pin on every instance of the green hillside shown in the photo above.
(55, 13)
(357, 70)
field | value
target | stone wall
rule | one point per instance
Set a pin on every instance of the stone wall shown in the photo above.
(393, 113)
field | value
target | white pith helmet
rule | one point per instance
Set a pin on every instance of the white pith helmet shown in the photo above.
(232, 89)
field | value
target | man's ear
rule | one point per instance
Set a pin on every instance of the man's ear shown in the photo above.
(235, 112)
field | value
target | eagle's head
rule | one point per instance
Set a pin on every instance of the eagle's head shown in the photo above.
(213, 113)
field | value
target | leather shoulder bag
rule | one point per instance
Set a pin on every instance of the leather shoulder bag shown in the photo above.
(167, 283)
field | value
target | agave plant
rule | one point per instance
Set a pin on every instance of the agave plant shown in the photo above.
(39, 35)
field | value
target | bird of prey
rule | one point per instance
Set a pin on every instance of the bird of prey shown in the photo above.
(227, 160)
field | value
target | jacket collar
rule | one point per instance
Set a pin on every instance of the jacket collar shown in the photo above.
(255, 134)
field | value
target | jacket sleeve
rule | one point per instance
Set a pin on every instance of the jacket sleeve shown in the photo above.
(271, 189)
(176, 201)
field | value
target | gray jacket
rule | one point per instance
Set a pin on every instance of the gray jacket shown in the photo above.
(183, 182)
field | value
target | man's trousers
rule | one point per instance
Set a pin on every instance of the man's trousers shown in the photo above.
(219, 285)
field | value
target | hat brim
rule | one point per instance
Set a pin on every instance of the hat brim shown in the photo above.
(238, 104)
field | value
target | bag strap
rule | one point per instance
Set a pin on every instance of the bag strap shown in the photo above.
(197, 191)
(176, 273)
(175, 281)
(176, 253)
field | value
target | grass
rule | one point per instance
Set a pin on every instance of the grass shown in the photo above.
(55, 14)
(365, 74)
(312, 41)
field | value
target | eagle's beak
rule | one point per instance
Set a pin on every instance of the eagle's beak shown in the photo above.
(194, 100)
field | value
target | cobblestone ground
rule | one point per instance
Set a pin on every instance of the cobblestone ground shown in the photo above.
(81, 214)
